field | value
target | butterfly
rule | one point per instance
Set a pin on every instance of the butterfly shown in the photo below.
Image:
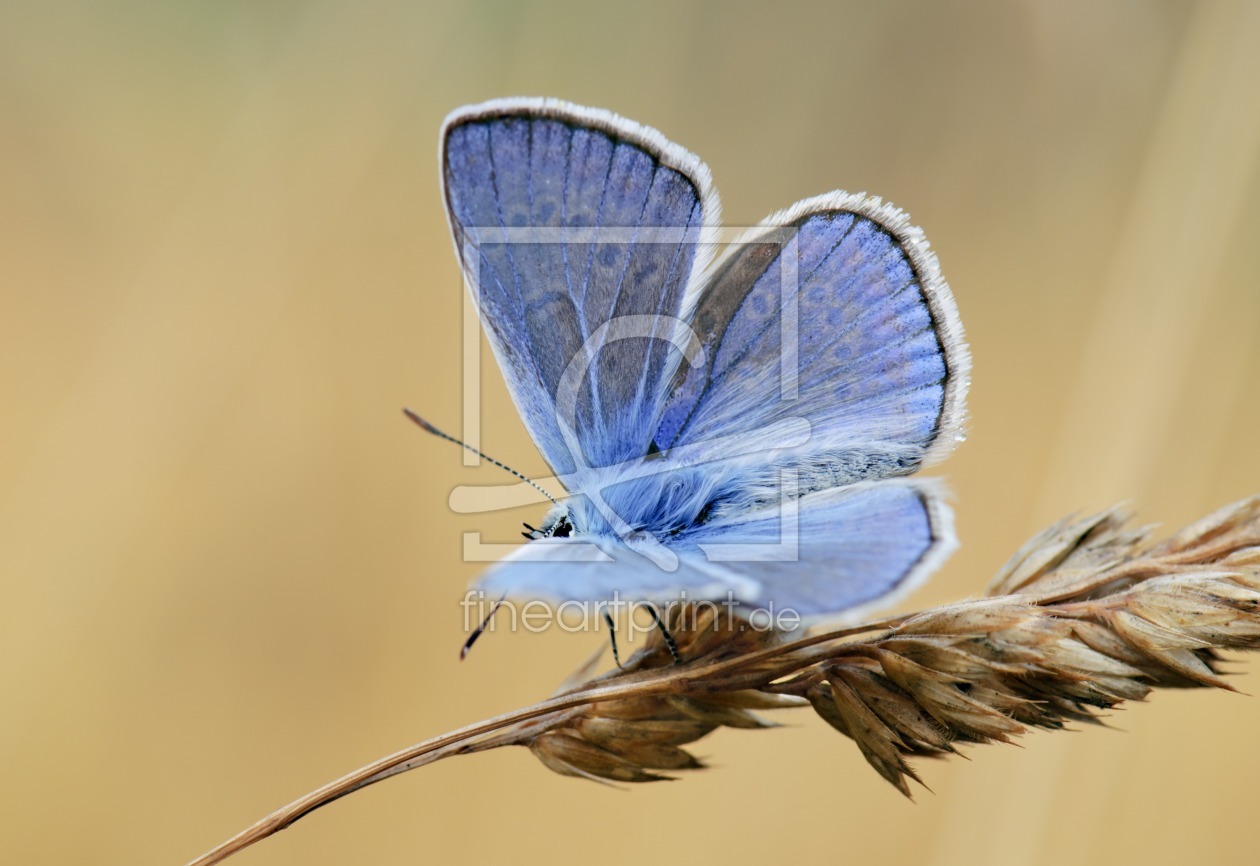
(731, 420)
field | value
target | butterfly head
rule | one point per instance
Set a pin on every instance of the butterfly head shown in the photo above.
(556, 525)
(654, 497)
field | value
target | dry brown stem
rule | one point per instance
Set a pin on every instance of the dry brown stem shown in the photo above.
(1086, 615)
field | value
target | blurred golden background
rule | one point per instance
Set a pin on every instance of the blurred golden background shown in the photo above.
(230, 572)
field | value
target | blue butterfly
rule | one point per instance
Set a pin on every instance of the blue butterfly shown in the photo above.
(730, 420)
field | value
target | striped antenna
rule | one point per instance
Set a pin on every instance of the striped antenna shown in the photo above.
(429, 428)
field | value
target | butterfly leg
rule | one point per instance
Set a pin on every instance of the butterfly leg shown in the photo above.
(670, 643)
(612, 637)
(472, 638)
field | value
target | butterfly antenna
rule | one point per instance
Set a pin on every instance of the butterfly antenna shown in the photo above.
(472, 638)
(429, 428)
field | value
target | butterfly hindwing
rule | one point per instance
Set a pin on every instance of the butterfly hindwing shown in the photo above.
(593, 569)
(842, 549)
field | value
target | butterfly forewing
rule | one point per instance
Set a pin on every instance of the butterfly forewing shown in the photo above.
(833, 312)
(567, 221)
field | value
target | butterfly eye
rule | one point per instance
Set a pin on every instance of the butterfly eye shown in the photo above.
(562, 528)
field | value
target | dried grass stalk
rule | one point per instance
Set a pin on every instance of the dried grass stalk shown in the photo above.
(1086, 615)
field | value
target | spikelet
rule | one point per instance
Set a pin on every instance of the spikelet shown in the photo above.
(629, 740)
(1086, 615)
